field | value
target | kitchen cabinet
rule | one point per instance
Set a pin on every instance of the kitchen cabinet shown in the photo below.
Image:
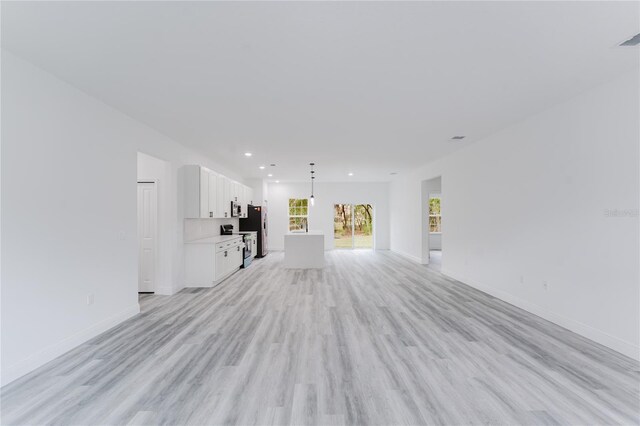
(228, 260)
(254, 244)
(204, 192)
(209, 261)
(213, 194)
(225, 202)
(220, 196)
(249, 196)
(235, 191)
(200, 192)
(242, 199)
(209, 194)
(245, 198)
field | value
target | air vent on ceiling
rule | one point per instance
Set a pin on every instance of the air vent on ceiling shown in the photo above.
(633, 41)
(457, 138)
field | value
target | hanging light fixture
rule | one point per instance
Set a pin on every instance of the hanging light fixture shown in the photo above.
(312, 199)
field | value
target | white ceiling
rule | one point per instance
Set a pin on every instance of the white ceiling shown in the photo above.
(368, 88)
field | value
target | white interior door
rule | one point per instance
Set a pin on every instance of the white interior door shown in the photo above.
(147, 236)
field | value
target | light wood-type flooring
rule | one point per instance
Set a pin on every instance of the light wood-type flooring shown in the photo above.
(371, 339)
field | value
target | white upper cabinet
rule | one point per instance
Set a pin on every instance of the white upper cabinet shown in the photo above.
(235, 194)
(204, 193)
(209, 194)
(220, 196)
(250, 196)
(226, 197)
(198, 192)
(242, 200)
(213, 194)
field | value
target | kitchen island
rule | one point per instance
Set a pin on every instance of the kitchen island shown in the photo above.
(304, 250)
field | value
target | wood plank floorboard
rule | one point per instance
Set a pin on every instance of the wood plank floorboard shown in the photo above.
(372, 339)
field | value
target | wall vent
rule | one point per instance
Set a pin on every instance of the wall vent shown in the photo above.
(457, 138)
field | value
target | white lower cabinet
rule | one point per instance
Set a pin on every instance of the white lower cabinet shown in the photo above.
(254, 244)
(209, 261)
(222, 262)
(227, 261)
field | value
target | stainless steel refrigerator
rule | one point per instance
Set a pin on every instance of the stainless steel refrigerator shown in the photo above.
(256, 220)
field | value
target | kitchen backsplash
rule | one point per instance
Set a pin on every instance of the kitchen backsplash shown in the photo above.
(195, 229)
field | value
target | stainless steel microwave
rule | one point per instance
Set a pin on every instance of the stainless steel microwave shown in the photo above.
(235, 209)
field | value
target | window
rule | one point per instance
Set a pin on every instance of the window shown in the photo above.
(298, 214)
(435, 220)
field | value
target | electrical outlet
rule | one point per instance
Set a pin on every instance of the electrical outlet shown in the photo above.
(122, 235)
(90, 299)
(545, 285)
(521, 279)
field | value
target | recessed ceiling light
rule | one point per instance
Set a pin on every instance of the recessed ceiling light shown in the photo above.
(633, 41)
(277, 181)
(269, 175)
(457, 138)
(247, 154)
(261, 167)
(350, 173)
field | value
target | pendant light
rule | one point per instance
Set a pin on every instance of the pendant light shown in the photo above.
(312, 200)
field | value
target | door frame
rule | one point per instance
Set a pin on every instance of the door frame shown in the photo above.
(156, 245)
(427, 187)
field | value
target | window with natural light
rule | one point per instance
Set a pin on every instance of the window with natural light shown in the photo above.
(435, 219)
(298, 214)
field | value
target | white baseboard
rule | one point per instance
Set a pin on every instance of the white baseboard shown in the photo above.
(598, 336)
(408, 256)
(51, 352)
(165, 291)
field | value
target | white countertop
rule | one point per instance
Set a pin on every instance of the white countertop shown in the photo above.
(302, 234)
(245, 232)
(214, 240)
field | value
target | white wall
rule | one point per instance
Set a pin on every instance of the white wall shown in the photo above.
(195, 229)
(69, 214)
(321, 215)
(260, 191)
(435, 241)
(551, 180)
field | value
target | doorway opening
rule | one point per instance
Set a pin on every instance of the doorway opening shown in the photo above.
(435, 230)
(147, 236)
(431, 213)
(353, 226)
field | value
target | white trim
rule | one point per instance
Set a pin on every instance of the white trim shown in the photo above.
(584, 330)
(407, 255)
(53, 351)
(165, 290)
(598, 336)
